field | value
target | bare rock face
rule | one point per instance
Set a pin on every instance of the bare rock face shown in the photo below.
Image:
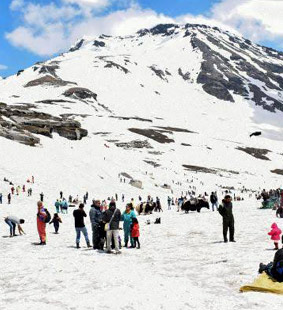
(49, 81)
(80, 93)
(20, 123)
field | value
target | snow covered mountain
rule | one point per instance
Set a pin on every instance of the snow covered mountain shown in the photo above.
(169, 101)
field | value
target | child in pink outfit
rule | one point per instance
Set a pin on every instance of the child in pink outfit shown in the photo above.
(275, 234)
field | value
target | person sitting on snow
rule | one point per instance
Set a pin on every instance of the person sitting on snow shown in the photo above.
(275, 268)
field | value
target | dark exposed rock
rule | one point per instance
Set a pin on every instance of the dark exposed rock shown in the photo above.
(135, 144)
(257, 153)
(208, 170)
(54, 101)
(186, 76)
(152, 134)
(163, 29)
(126, 118)
(277, 171)
(77, 46)
(262, 99)
(25, 122)
(49, 69)
(186, 144)
(161, 74)
(98, 43)
(111, 64)
(49, 81)
(175, 129)
(80, 93)
(20, 72)
(152, 163)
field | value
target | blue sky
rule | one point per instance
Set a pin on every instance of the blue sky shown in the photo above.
(33, 30)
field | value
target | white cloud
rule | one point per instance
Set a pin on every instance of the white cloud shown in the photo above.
(49, 29)
(256, 19)
(16, 4)
(3, 67)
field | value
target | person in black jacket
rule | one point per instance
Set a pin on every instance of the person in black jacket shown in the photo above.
(228, 219)
(79, 215)
(275, 268)
(112, 217)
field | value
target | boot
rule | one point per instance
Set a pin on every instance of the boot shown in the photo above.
(88, 245)
(78, 245)
(276, 246)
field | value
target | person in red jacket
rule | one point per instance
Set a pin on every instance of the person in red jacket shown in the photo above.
(135, 232)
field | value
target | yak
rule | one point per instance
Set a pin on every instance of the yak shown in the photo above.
(146, 207)
(194, 205)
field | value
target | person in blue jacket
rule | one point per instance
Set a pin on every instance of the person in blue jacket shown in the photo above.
(127, 218)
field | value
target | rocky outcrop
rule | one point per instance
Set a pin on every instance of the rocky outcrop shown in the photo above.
(48, 80)
(153, 134)
(80, 93)
(257, 153)
(20, 123)
(77, 46)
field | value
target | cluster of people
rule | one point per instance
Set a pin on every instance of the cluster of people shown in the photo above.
(105, 226)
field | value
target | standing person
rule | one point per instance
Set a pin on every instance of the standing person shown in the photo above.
(13, 222)
(116, 197)
(275, 234)
(135, 232)
(213, 200)
(279, 212)
(169, 203)
(127, 217)
(24, 188)
(12, 190)
(64, 206)
(86, 195)
(9, 198)
(57, 206)
(79, 215)
(56, 222)
(41, 197)
(1, 197)
(123, 197)
(95, 216)
(225, 211)
(41, 222)
(32, 179)
(84, 198)
(112, 218)
(61, 195)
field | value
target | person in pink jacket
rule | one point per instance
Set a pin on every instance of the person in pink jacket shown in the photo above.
(275, 234)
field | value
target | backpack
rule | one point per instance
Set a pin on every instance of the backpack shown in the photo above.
(48, 216)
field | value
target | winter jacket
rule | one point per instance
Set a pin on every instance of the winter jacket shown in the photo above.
(107, 215)
(95, 215)
(79, 216)
(213, 198)
(128, 217)
(275, 232)
(277, 266)
(41, 215)
(226, 210)
(135, 230)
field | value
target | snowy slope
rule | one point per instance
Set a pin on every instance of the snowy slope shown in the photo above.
(170, 76)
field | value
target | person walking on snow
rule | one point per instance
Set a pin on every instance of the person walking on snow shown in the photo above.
(79, 215)
(225, 211)
(1, 197)
(61, 195)
(41, 222)
(127, 217)
(13, 222)
(56, 222)
(95, 216)
(9, 198)
(57, 206)
(41, 197)
(275, 234)
(213, 200)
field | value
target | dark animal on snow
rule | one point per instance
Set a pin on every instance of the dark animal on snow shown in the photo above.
(256, 133)
(188, 206)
